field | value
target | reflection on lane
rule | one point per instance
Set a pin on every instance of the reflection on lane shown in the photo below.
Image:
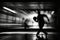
(24, 36)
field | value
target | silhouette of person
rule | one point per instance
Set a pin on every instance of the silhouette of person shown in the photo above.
(26, 23)
(40, 21)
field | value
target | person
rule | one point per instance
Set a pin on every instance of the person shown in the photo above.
(40, 21)
(26, 23)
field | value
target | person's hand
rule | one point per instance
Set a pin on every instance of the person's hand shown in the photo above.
(35, 19)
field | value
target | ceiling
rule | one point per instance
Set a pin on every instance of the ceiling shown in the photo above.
(29, 5)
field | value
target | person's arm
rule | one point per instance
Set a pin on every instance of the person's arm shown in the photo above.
(46, 17)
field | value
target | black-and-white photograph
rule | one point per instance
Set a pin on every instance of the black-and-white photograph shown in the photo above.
(29, 21)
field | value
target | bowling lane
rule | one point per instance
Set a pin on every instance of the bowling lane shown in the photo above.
(24, 35)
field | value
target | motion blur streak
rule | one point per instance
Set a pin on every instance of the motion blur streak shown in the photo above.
(24, 33)
(9, 9)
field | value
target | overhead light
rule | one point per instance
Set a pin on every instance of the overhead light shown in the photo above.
(9, 9)
(33, 5)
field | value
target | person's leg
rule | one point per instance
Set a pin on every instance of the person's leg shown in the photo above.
(40, 29)
(45, 33)
(38, 32)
